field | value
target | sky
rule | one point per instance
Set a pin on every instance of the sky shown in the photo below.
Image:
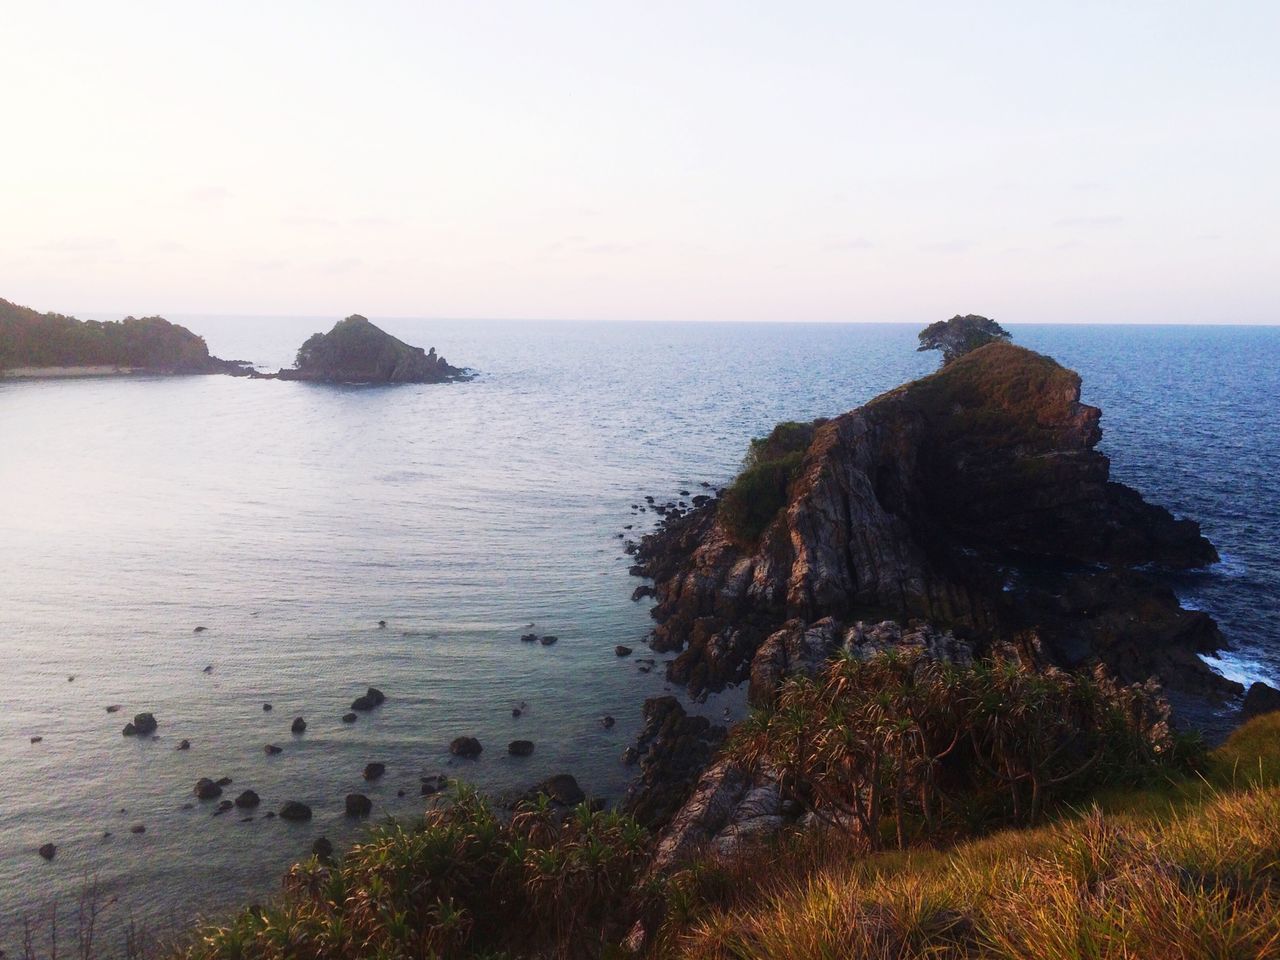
(1035, 162)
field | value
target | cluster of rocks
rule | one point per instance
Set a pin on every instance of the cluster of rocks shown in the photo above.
(546, 640)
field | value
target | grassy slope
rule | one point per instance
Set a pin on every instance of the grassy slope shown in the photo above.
(1191, 869)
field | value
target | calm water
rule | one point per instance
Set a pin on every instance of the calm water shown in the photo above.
(289, 518)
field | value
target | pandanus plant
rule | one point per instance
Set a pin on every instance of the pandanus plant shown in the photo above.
(904, 738)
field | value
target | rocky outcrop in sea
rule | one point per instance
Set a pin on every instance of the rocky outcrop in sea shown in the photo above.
(973, 500)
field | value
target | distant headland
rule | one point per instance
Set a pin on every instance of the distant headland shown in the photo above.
(34, 344)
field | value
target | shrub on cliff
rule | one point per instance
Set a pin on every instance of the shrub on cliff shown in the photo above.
(465, 882)
(760, 490)
(905, 746)
(960, 335)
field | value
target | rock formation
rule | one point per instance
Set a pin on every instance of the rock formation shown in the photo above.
(356, 351)
(974, 500)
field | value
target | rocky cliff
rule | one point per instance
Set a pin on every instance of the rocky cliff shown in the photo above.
(974, 500)
(356, 351)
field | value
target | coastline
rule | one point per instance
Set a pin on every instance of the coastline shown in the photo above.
(68, 372)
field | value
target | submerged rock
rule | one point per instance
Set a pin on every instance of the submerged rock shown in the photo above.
(207, 789)
(248, 800)
(520, 748)
(373, 771)
(465, 747)
(271, 750)
(358, 805)
(48, 850)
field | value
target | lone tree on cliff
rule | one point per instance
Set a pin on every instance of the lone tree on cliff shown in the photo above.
(959, 335)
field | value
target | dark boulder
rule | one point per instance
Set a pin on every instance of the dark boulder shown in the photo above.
(183, 745)
(373, 771)
(207, 789)
(266, 708)
(322, 849)
(47, 851)
(548, 640)
(465, 747)
(224, 781)
(295, 811)
(1261, 698)
(144, 723)
(350, 717)
(520, 748)
(358, 805)
(376, 696)
(223, 807)
(528, 638)
(248, 800)
(607, 722)
(298, 726)
(271, 750)
(362, 703)
(622, 651)
(562, 789)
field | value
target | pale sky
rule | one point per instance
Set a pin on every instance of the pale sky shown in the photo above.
(1032, 161)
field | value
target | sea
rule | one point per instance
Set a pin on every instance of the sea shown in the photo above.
(288, 519)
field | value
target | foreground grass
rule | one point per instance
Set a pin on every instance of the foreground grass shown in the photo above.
(1188, 869)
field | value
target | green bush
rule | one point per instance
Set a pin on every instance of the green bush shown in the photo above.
(901, 746)
(465, 883)
(760, 490)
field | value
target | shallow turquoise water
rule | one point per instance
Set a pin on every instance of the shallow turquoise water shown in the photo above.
(289, 518)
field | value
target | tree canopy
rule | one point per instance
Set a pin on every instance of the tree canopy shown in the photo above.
(961, 335)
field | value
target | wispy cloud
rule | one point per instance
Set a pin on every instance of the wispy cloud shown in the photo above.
(1090, 223)
(946, 246)
(79, 245)
(856, 243)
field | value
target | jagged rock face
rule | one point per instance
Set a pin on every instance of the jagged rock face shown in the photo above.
(973, 499)
(356, 351)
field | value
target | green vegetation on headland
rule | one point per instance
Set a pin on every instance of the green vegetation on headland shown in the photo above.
(1130, 841)
(757, 494)
(32, 340)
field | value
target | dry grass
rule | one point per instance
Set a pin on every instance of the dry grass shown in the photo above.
(1190, 870)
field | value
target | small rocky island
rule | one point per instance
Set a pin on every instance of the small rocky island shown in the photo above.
(356, 351)
(973, 499)
(34, 344)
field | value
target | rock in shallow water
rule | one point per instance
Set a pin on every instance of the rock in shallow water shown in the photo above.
(465, 747)
(374, 771)
(298, 726)
(1261, 698)
(247, 800)
(295, 811)
(358, 805)
(207, 789)
(48, 850)
(520, 748)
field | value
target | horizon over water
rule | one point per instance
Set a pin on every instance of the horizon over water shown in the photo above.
(289, 518)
